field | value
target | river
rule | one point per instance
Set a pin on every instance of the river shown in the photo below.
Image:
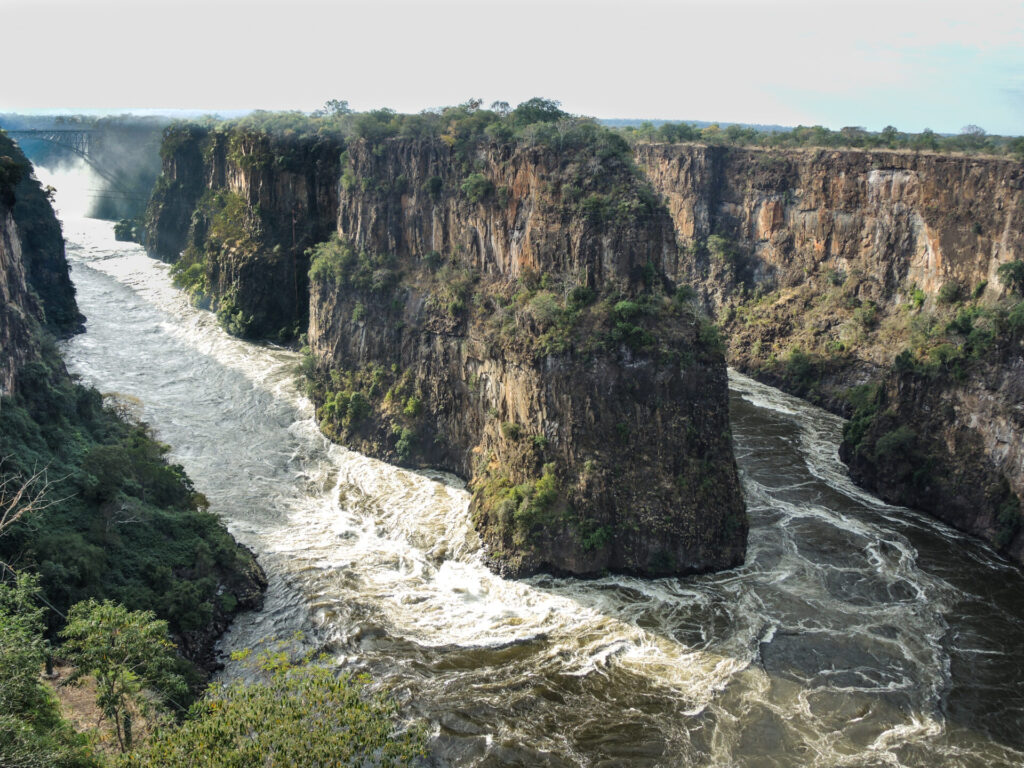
(857, 633)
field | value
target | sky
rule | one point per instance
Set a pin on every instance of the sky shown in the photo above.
(906, 63)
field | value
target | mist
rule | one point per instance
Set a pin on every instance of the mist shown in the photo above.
(78, 188)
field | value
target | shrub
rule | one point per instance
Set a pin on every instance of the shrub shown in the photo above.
(404, 444)
(900, 441)
(866, 315)
(433, 187)
(581, 296)
(1011, 275)
(721, 249)
(477, 188)
(358, 407)
(545, 308)
(511, 431)
(293, 713)
(413, 407)
(949, 292)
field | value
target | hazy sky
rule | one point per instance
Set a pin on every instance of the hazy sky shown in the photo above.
(911, 64)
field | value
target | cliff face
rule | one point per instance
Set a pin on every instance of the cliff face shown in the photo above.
(34, 283)
(498, 325)
(37, 238)
(823, 267)
(18, 310)
(952, 447)
(241, 209)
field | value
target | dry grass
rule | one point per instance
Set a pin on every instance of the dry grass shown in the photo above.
(78, 706)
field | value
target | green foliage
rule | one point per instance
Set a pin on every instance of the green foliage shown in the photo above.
(972, 140)
(524, 508)
(126, 653)
(477, 188)
(710, 338)
(233, 318)
(1011, 275)
(413, 407)
(32, 732)
(293, 714)
(433, 186)
(866, 315)
(537, 110)
(404, 444)
(125, 525)
(511, 431)
(721, 249)
(897, 442)
(336, 262)
(127, 230)
(950, 292)
(191, 277)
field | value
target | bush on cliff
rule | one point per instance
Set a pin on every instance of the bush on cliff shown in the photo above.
(1011, 275)
(32, 732)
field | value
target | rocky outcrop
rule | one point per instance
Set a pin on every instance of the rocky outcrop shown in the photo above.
(488, 322)
(244, 207)
(18, 310)
(492, 309)
(824, 266)
(39, 242)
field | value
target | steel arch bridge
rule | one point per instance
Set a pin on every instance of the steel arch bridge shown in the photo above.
(76, 141)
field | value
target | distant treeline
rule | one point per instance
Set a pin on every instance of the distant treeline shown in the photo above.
(971, 140)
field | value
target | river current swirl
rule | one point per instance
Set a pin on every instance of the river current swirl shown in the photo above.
(856, 634)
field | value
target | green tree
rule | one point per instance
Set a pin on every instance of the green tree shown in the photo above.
(32, 732)
(294, 715)
(926, 139)
(1011, 275)
(126, 652)
(537, 110)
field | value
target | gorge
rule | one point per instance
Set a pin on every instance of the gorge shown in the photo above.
(527, 302)
(865, 281)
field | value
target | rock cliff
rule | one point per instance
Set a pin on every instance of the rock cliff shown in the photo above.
(869, 282)
(498, 310)
(18, 309)
(236, 211)
(37, 282)
(504, 331)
